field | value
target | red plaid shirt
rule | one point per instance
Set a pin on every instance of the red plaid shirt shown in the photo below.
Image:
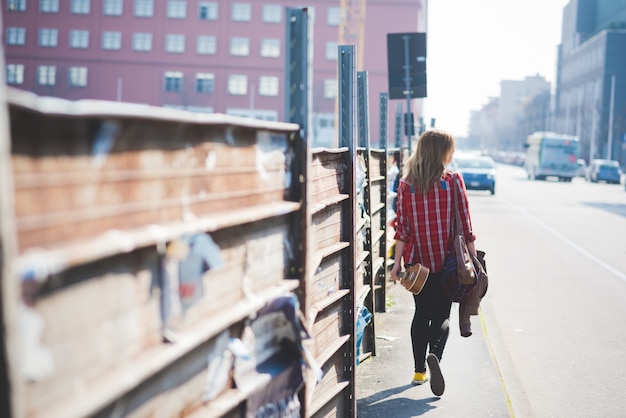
(423, 221)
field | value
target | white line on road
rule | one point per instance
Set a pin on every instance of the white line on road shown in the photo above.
(569, 242)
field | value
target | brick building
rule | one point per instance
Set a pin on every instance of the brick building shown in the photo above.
(205, 56)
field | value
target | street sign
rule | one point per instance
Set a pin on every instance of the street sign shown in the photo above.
(406, 50)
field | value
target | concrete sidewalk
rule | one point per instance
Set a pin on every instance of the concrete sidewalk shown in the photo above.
(473, 383)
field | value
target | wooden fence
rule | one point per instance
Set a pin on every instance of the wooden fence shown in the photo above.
(161, 263)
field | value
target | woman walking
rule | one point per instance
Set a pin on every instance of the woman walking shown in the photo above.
(423, 235)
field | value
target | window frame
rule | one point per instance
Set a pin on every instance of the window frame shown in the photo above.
(175, 43)
(15, 35)
(16, 5)
(237, 84)
(141, 39)
(241, 12)
(206, 45)
(112, 38)
(46, 75)
(212, 10)
(269, 86)
(14, 74)
(332, 52)
(330, 89)
(270, 48)
(49, 6)
(239, 46)
(48, 38)
(77, 76)
(204, 83)
(78, 39)
(173, 79)
(271, 13)
(113, 7)
(176, 9)
(143, 8)
(333, 16)
(80, 7)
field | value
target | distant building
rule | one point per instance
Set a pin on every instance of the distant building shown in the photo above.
(506, 121)
(517, 110)
(591, 75)
(205, 56)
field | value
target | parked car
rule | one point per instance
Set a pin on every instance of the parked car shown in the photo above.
(604, 170)
(479, 172)
(582, 168)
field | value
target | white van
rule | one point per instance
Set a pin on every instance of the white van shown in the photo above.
(549, 154)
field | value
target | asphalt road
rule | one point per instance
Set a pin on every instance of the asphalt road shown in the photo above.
(551, 337)
(556, 302)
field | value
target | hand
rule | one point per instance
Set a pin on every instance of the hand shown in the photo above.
(394, 273)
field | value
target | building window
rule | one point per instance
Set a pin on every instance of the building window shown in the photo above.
(49, 6)
(113, 7)
(330, 89)
(270, 47)
(268, 86)
(79, 39)
(331, 51)
(272, 13)
(173, 81)
(48, 38)
(80, 7)
(175, 43)
(176, 9)
(16, 5)
(207, 45)
(16, 36)
(333, 17)
(142, 42)
(46, 75)
(241, 12)
(144, 8)
(15, 74)
(205, 82)
(240, 46)
(207, 11)
(238, 84)
(77, 76)
(111, 40)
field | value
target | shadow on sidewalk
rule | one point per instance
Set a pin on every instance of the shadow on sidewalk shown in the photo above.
(378, 404)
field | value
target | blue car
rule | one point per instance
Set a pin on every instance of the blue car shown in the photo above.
(604, 170)
(479, 172)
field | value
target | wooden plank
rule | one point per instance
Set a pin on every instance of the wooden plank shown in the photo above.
(326, 228)
(332, 384)
(326, 175)
(85, 398)
(327, 279)
(50, 261)
(328, 327)
(76, 177)
(99, 108)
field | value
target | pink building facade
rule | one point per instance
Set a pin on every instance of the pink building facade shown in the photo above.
(205, 56)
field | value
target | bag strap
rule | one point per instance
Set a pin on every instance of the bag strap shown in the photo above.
(455, 217)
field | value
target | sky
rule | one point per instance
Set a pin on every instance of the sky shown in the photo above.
(473, 45)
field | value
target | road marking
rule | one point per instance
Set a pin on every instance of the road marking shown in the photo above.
(570, 243)
(492, 353)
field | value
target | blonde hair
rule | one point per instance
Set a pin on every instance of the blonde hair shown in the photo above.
(427, 164)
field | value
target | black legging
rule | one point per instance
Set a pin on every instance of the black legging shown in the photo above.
(431, 322)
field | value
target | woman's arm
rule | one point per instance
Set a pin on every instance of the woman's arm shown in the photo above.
(471, 246)
(397, 261)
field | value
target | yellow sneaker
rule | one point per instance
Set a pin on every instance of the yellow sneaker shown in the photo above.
(420, 378)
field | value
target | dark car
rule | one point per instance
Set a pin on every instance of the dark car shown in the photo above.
(479, 172)
(604, 170)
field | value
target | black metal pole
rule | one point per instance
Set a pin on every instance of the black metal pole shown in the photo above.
(407, 86)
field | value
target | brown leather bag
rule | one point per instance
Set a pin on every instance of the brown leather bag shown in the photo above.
(414, 278)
